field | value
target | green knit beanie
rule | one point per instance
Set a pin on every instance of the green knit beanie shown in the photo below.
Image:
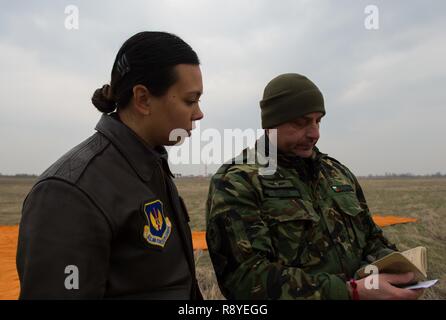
(288, 97)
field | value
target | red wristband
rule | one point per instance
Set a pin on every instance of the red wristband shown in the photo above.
(354, 286)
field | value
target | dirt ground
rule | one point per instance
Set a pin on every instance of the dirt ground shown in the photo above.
(423, 199)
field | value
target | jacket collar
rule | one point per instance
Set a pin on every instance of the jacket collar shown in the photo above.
(307, 168)
(142, 158)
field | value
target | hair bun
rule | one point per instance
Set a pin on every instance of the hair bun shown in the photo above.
(103, 99)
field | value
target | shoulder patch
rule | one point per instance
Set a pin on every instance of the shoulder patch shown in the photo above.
(158, 228)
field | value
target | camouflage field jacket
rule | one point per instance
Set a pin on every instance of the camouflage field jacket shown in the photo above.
(299, 233)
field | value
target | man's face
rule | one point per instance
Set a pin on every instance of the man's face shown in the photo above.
(179, 107)
(298, 137)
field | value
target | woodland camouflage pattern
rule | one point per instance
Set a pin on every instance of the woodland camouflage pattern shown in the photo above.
(298, 234)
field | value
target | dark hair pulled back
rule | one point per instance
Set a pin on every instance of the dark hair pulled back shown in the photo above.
(147, 58)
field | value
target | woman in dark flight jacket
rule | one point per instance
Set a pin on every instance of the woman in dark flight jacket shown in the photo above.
(106, 220)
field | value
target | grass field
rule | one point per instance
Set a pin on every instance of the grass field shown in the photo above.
(424, 199)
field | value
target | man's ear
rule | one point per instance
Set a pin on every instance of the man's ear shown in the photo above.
(142, 99)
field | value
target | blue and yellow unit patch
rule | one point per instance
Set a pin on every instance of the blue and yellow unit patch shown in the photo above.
(158, 227)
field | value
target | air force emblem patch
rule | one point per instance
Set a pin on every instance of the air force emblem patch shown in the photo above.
(158, 227)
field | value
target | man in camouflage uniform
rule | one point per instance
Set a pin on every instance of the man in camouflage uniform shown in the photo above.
(303, 231)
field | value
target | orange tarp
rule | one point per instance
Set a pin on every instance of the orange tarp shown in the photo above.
(199, 240)
(9, 281)
(384, 221)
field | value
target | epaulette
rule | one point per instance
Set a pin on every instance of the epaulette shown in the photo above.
(224, 168)
(334, 160)
(71, 165)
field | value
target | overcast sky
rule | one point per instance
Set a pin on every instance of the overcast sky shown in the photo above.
(384, 89)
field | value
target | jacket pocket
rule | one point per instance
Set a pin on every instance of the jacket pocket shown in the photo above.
(292, 224)
(351, 212)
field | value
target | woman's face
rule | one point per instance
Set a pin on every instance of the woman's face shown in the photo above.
(178, 108)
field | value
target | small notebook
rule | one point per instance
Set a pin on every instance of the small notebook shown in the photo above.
(412, 260)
